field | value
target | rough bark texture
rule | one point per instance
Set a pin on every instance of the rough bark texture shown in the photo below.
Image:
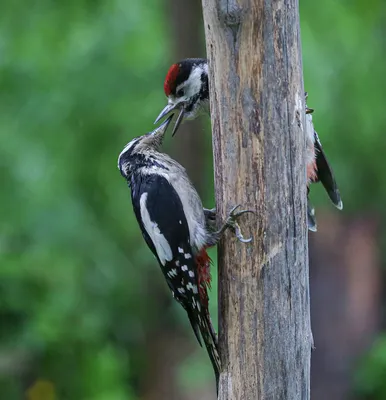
(257, 111)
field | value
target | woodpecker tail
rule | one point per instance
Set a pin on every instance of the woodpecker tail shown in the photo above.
(210, 339)
(326, 175)
(203, 328)
(319, 169)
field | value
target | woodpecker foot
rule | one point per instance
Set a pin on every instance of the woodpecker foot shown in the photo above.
(230, 223)
(210, 218)
(210, 214)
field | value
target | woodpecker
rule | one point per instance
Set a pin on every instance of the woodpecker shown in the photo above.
(187, 90)
(176, 227)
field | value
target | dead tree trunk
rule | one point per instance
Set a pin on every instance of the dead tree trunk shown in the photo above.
(257, 111)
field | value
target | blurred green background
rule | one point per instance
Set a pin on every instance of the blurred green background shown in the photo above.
(84, 311)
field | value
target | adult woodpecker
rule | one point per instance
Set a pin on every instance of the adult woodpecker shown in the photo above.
(187, 90)
(176, 227)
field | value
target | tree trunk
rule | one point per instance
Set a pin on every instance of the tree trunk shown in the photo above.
(257, 111)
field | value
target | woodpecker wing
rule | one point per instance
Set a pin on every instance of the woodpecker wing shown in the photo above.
(325, 174)
(161, 216)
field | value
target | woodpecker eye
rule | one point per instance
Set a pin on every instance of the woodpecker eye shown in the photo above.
(180, 93)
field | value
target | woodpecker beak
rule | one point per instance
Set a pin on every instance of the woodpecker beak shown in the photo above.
(162, 128)
(167, 110)
(179, 120)
(173, 107)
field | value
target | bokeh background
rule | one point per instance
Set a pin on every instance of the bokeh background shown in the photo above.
(84, 311)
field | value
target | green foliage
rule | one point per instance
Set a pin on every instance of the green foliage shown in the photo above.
(75, 89)
(344, 61)
(370, 377)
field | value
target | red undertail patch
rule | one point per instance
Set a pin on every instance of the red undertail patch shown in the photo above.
(312, 172)
(204, 278)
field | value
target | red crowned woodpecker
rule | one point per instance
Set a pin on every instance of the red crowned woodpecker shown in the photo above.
(186, 87)
(176, 227)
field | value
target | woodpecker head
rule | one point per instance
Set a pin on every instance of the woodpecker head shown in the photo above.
(186, 87)
(142, 151)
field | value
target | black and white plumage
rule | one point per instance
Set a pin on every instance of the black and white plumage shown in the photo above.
(175, 227)
(318, 170)
(186, 87)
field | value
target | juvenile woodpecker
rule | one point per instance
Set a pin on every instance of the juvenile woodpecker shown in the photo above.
(176, 227)
(187, 90)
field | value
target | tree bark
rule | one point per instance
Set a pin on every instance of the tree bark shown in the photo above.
(257, 112)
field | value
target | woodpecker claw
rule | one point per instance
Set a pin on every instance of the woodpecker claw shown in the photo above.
(239, 235)
(236, 215)
(232, 223)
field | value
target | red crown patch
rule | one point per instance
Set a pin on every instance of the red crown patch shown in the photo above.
(170, 80)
